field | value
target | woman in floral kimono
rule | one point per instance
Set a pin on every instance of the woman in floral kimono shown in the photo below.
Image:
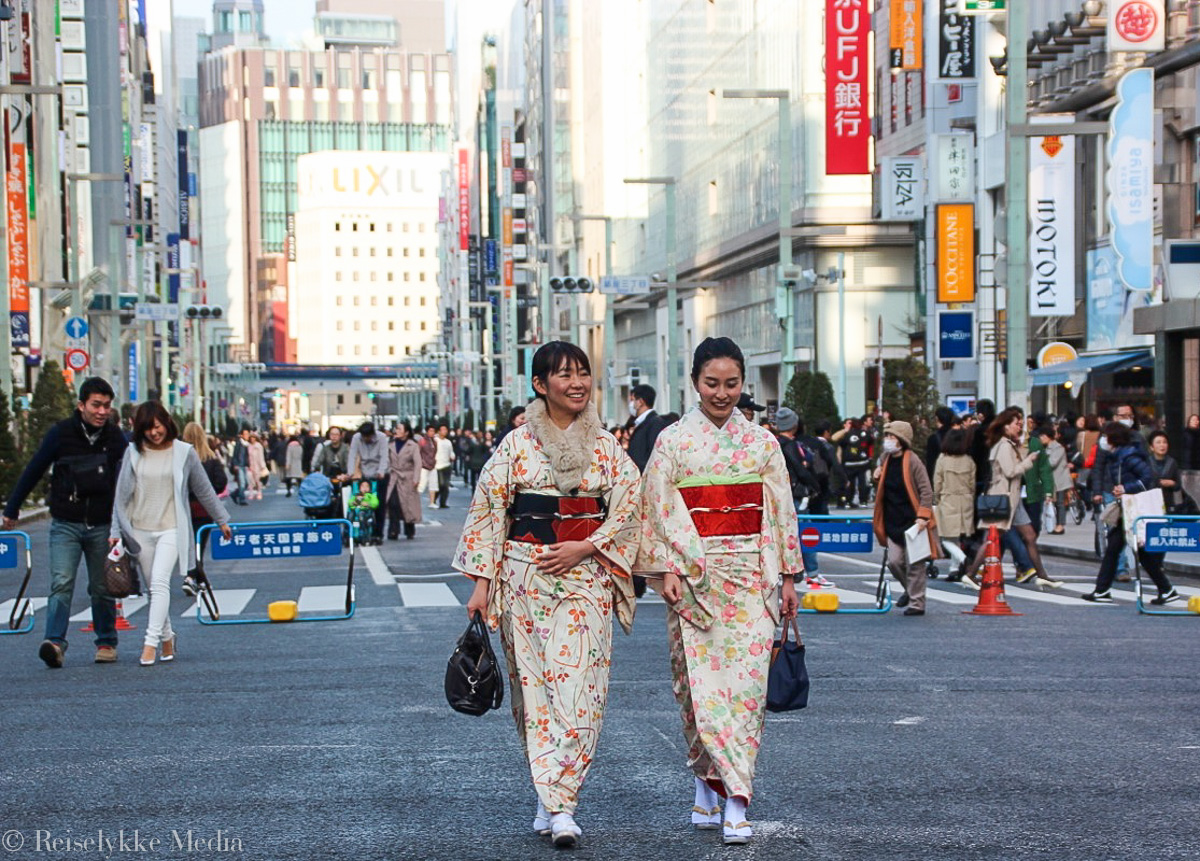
(549, 540)
(718, 522)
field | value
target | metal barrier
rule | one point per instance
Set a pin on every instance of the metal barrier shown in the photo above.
(1166, 533)
(846, 533)
(285, 539)
(10, 552)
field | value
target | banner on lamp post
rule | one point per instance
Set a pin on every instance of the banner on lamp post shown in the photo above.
(1130, 179)
(847, 87)
(1052, 226)
(1136, 25)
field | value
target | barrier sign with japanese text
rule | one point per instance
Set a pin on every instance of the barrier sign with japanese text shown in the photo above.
(832, 537)
(253, 542)
(1163, 536)
(8, 552)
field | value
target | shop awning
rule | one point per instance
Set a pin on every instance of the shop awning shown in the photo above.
(1077, 370)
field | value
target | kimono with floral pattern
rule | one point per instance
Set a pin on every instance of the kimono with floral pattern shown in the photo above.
(720, 632)
(556, 630)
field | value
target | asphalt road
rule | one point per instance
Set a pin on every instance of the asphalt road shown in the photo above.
(1069, 732)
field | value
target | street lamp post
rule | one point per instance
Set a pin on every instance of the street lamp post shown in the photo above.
(668, 183)
(1017, 203)
(610, 335)
(783, 290)
(73, 180)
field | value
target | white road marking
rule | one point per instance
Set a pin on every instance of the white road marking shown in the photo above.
(908, 721)
(230, 602)
(129, 606)
(378, 568)
(427, 595)
(35, 603)
(321, 598)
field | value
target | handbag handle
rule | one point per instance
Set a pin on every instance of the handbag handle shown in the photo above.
(795, 626)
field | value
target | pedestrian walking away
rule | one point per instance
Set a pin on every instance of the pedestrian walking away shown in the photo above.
(1129, 471)
(84, 452)
(904, 499)
(549, 539)
(954, 496)
(428, 443)
(293, 468)
(443, 464)
(719, 529)
(404, 477)
(194, 436)
(152, 517)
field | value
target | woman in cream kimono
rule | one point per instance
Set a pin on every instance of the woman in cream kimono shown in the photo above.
(718, 522)
(549, 540)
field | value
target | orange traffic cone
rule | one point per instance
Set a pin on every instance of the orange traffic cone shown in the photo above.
(122, 622)
(991, 594)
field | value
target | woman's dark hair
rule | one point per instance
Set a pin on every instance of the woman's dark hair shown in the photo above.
(987, 409)
(144, 418)
(552, 357)
(946, 417)
(1047, 430)
(1150, 439)
(408, 431)
(513, 413)
(1117, 434)
(995, 431)
(957, 441)
(716, 348)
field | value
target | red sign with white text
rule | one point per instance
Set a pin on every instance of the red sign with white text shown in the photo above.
(847, 87)
(464, 201)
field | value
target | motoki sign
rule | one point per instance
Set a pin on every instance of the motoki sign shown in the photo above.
(1136, 25)
(1052, 226)
(955, 252)
(847, 67)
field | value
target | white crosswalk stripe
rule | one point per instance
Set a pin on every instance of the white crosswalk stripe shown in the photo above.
(427, 595)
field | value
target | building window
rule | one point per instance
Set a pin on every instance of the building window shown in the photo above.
(405, 252)
(338, 327)
(391, 351)
(337, 225)
(420, 252)
(371, 227)
(421, 277)
(391, 325)
(357, 350)
(423, 325)
(406, 278)
(389, 227)
(355, 302)
(337, 276)
(337, 251)
(389, 252)
(391, 301)
(357, 398)
(356, 326)
(421, 227)
(269, 77)
(406, 302)
(391, 276)
(341, 400)
(422, 301)
(407, 326)
(372, 278)
(405, 227)
(354, 226)
(340, 351)
(293, 76)
(337, 299)
(374, 299)
(354, 251)
(354, 276)
(374, 324)
(374, 350)
(319, 78)
(371, 250)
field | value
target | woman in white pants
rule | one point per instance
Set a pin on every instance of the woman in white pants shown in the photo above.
(152, 515)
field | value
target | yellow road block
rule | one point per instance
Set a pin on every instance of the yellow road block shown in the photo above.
(1194, 603)
(822, 602)
(282, 611)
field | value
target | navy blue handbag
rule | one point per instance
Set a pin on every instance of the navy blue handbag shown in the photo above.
(787, 681)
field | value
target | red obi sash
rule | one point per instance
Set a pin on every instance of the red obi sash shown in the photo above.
(725, 509)
(543, 519)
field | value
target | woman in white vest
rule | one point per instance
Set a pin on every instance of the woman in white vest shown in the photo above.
(153, 517)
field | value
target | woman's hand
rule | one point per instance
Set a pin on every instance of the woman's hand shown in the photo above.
(922, 524)
(563, 556)
(226, 532)
(1118, 490)
(790, 603)
(1166, 482)
(672, 591)
(113, 542)
(479, 598)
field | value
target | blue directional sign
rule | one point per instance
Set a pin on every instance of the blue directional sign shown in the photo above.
(1163, 535)
(8, 552)
(255, 542)
(76, 327)
(837, 537)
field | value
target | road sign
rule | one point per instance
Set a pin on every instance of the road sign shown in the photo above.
(76, 328)
(1177, 537)
(77, 359)
(157, 312)
(257, 541)
(810, 538)
(843, 537)
(624, 285)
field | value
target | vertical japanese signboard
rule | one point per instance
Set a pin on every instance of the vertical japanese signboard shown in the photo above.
(185, 217)
(1052, 226)
(464, 200)
(847, 66)
(954, 171)
(955, 252)
(903, 189)
(905, 35)
(18, 245)
(1130, 179)
(956, 43)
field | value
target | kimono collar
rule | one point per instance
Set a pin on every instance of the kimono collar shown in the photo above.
(569, 450)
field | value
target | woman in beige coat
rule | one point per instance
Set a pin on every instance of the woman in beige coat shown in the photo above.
(954, 497)
(1009, 463)
(403, 500)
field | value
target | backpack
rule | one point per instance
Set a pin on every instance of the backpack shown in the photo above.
(813, 459)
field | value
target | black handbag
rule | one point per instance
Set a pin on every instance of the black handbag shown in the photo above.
(121, 576)
(993, 507)
(787, 680)
(473, 682)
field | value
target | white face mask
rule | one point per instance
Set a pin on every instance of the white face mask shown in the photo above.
(1127, 422)
(1104, 446)
(891, 446)
(633, 408)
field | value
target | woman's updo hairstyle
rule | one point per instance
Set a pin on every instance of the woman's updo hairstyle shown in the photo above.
(716, 348)
(552, 357)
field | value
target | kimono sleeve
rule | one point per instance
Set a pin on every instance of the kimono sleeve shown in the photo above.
(616, 540)
(481, 548)
(669, 540)
(780, 527)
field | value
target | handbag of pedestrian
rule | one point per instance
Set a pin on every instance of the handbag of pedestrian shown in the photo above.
(787, 680)
(473, 682)
(993, 507)
(121, 574)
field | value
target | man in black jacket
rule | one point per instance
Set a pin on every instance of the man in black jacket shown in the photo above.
(85, 452)
(646, 424)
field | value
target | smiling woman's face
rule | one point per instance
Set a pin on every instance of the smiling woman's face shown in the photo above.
(719, 386)
(567, 390)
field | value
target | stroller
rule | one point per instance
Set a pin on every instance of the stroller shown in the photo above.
(318, 498)
(361, 512)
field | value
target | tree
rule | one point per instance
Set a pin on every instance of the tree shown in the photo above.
(810, 394)
(52, 402)
(910, 395)
(10, 463)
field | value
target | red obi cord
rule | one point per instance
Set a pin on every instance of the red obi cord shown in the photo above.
(725, 509)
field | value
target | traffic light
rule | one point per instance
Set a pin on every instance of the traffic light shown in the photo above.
(572, 284)
(203, 312)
